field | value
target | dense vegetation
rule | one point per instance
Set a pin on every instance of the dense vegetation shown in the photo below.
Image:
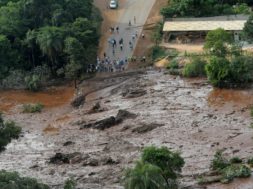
(199, 8)
(12, 180)
(56, 38)
(157, 169)
(228, 65)
(8, 131)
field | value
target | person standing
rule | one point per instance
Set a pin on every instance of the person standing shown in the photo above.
(134, 19)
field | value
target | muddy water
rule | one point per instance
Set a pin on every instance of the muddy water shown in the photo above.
(52, 97)
(220, 97)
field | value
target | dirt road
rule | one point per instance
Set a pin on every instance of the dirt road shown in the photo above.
(128, 9)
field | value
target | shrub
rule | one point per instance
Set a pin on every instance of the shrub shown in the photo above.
(8, 131)
(218, 71)
(32, 108)
(33, 82)
(170, 163)
(250, 162)
(144, 176)
(12, 180)
(235, 160)
(70, 184)
(195, 69)
(234, 171)
(251, 111)
(158, 52)
(173, 64)
(219, 162)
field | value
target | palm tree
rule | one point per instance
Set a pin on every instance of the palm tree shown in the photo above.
(50, 41)
(144, 176)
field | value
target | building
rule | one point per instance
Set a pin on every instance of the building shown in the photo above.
(187, 30)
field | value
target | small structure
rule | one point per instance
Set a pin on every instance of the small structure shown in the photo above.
(186, 30)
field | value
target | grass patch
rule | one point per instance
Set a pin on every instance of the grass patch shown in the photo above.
(32, 108)
(251, 111)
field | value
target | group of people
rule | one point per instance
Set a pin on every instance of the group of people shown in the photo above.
(119, 50)
(108, 65)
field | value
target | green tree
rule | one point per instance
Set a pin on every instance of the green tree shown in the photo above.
(248, 28)
(51, 40)
(144, 176)
(8, 56)
(218, 71)
(217, 42)
(75, 52)
(170, 163)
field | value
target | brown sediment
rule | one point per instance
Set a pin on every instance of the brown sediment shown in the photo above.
(51, 130)
(52, 97)
(221, 97)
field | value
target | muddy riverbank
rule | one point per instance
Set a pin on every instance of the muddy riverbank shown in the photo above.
(185, 115)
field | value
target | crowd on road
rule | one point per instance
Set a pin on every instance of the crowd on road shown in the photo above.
(120, 48)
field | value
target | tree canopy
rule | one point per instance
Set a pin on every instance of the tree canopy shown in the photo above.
(57, 34)
(205, 7)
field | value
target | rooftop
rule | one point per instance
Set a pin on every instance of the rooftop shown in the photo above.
(205, 24)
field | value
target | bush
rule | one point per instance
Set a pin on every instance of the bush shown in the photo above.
(238, 72)
(158, 52)
(219, 162)
(32, 108)
(69, 184)
(170, 163)
(218, 71)
(33, 82)
(195, 69)
(234, 171)
(250, 162)
(173, 64)
(251, 111)
(12, 180)
(144, 176)
(8, 131)
(235, 160)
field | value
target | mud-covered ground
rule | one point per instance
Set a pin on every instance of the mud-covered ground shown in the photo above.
(185, 115)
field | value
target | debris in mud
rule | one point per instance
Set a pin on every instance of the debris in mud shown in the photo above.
(147, 127)
(110, 121)
(78, 101)
(133, 93)
(96, 109)
(68, 143)
(60, 158)
(95, 161)
(124, 114)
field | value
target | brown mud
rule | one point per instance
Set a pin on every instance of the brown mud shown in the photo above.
(50, 98)
(173, 112)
